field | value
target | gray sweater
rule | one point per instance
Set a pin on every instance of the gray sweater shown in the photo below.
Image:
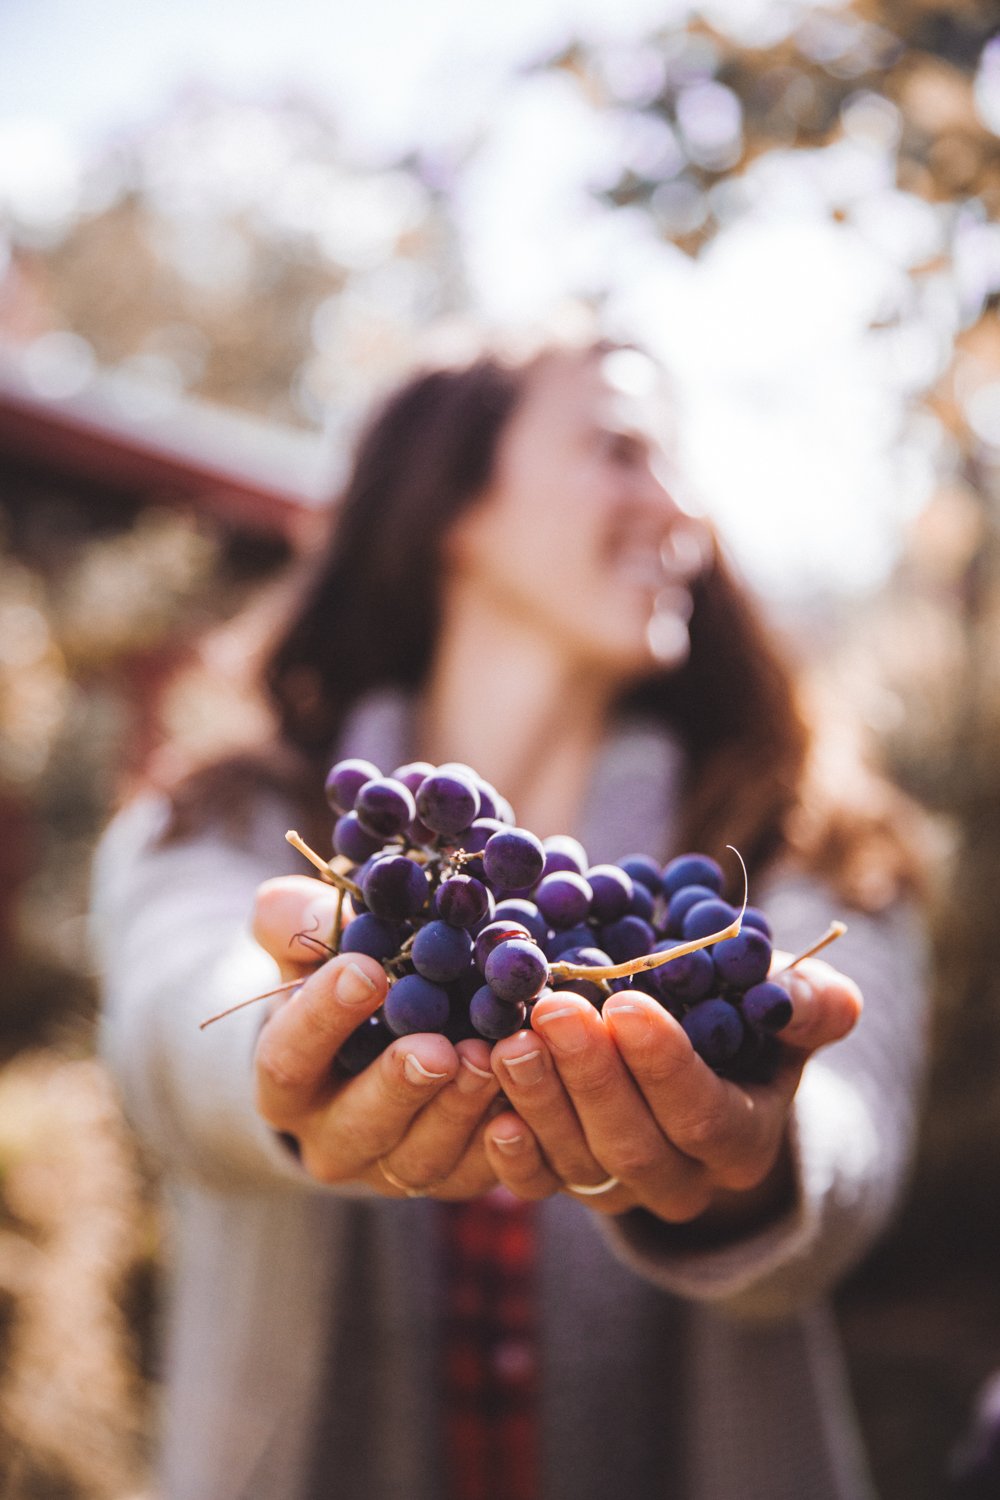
(302, 1332)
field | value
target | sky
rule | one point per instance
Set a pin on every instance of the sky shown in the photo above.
(791, 422)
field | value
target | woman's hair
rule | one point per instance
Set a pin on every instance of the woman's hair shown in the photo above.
(369, 617)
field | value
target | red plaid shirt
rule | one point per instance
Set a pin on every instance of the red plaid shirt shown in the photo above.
(490, 1351)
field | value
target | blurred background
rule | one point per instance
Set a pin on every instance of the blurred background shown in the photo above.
(222, 230)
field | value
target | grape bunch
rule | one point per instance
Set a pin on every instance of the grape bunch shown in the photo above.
(473, 918)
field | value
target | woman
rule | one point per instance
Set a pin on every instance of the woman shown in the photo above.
(511, 585)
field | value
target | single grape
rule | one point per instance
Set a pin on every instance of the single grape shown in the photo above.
(494, 934)
(514, 859)
(447, 802)
(715, 1031)
(364, 1045)
(642, 903)
(689, 977)
(564, 853)
(692, 869)
(395, 888)
(681, 903)
(589, 958)
(413, 773)
(352, 841)
(613, 890)
(767, 1006)
(743, 960)
(345, 780)
(757, 1060)
(519, 909)
(415, 1004)
(385, 807)
(494, 1018)
(754, 917)
(516, 970)
(644, 871)
(629, 937)
(556, 944)
(441, 952)
(371, 935)
(706, 917)
(463, 900)
(564, 898)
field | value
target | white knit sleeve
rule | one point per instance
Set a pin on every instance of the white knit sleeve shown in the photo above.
(171, 933)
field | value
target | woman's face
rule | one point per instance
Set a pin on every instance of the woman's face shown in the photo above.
(577, 535)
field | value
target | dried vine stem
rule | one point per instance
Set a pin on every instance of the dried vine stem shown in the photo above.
(655, 960)
(327, 872)
(282, 989)
(832, 933)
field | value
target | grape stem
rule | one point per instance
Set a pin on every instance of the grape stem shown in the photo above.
(832, 933)
(655, 960)
(330, 875)
(281, 990)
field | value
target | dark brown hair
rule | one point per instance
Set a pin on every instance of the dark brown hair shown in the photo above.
(369, 618)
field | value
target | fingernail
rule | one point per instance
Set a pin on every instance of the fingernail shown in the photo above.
(632, 1018)
(527, 1068)
(417, 1073)
(800, 989)
(509, 1143)
(565, 1027)
(353, 985)
(471, 1079)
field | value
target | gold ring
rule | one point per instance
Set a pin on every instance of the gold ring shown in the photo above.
(593, 1192)
(394, 1181)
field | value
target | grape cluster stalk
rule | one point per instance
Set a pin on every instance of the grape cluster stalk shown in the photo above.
(474, 918)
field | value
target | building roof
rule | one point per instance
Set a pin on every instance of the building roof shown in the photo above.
(132, 437)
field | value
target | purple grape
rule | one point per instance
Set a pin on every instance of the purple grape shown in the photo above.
(692, 869)
(489, 798)
(629, 937)
(345, 780)
(447, 802)
(490, 937)
(589, 989)
(463, 900)
(644, 871)
(556, 944)
(642, 903)
(395, 888)
(564, 898)
(715, 1031)
(516, 970)
(441, 952)
(564, 853)
(767, 1006)
(371, 935)
(385, 807)
(364, 1045)
(689, 977)
(681, 903)
(743, 960)
(754, 917)
(413, 773)
(514, 859)
(757, 1060)
(518, 909)
(706, 917)
(494, 1018)
(352, 841)
(415, 1004)
(612, 889)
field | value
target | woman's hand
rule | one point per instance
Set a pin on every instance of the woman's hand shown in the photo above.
(409, 1124)
(621, 1094)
